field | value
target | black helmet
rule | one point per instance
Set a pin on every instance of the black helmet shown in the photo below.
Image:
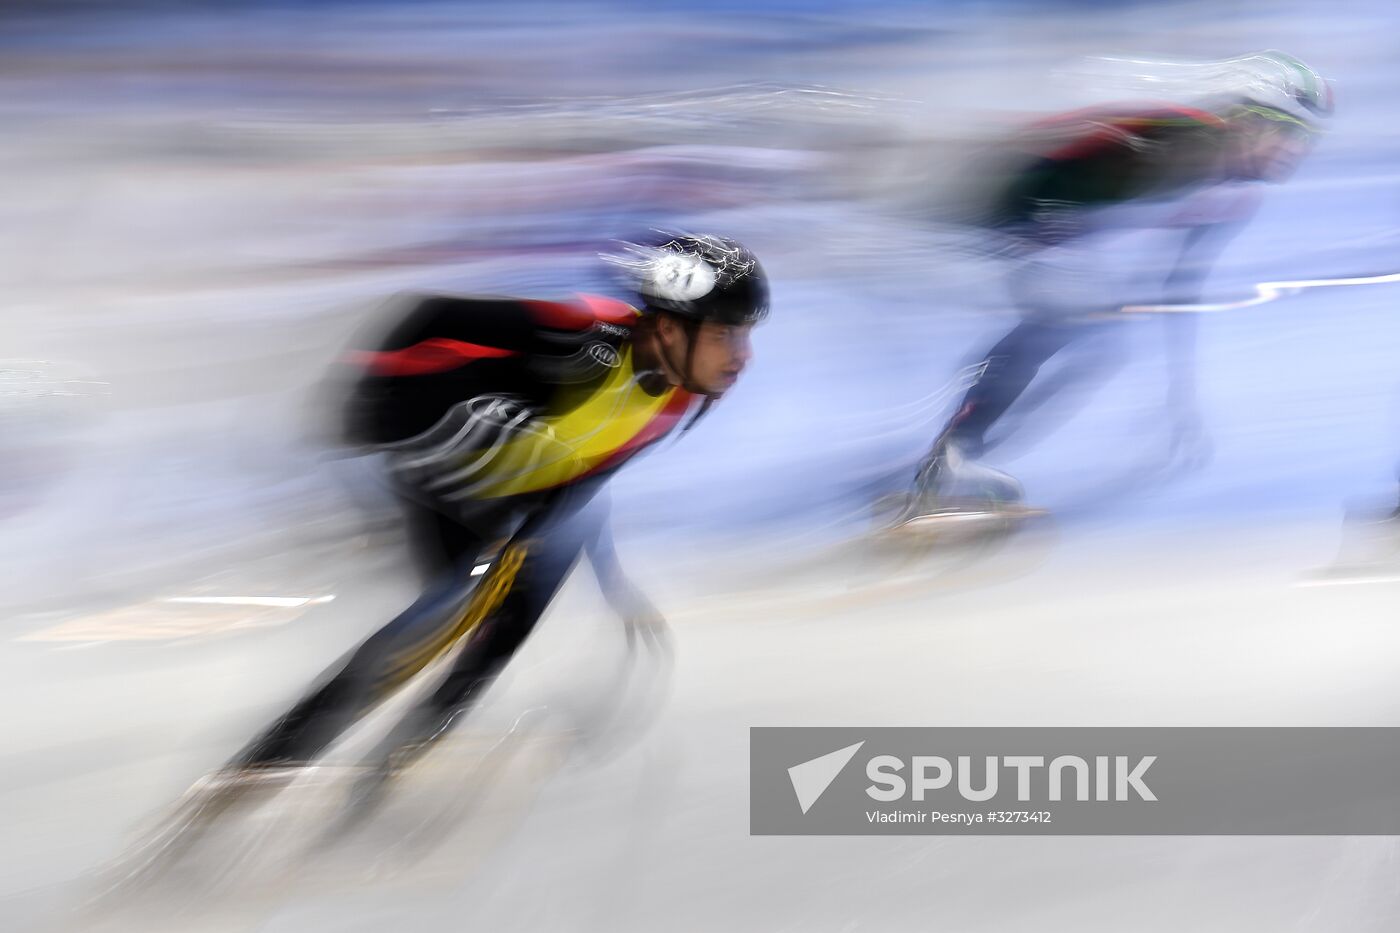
(697, 277)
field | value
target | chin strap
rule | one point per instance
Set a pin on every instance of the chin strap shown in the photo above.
(707, 399)
(692, 329)
(705, 406)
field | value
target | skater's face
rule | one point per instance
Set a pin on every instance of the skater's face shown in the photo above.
(721, 353)
(712, 359)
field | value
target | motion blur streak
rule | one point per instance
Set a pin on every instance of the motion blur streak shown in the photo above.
(950, 487)
(1270, 291)
(283, 601)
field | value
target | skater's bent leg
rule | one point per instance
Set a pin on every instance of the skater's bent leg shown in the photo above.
(437, 542)
(353, 686)
(542, 563)
(1006, 371)
(1052, 398)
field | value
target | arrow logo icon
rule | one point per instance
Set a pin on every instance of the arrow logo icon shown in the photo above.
(811, 778)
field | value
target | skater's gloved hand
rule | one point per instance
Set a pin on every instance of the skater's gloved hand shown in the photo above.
(644, 624)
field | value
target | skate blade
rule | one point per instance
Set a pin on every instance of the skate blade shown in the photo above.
(367, 790)
(1369, 552)
(146, 866)
(969, 522)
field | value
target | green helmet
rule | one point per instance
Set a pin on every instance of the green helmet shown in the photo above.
(1280, 87)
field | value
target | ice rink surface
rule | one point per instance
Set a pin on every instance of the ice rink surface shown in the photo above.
(203, 208)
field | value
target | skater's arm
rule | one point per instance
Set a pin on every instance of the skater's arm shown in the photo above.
(622, 595)
(618, 589)
(1200, 247)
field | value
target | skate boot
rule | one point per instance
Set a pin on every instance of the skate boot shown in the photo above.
(950, 481)
(1369, 551)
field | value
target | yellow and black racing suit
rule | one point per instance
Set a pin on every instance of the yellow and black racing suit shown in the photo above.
(496, 419)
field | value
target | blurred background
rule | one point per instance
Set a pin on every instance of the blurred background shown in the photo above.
(204, 203)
